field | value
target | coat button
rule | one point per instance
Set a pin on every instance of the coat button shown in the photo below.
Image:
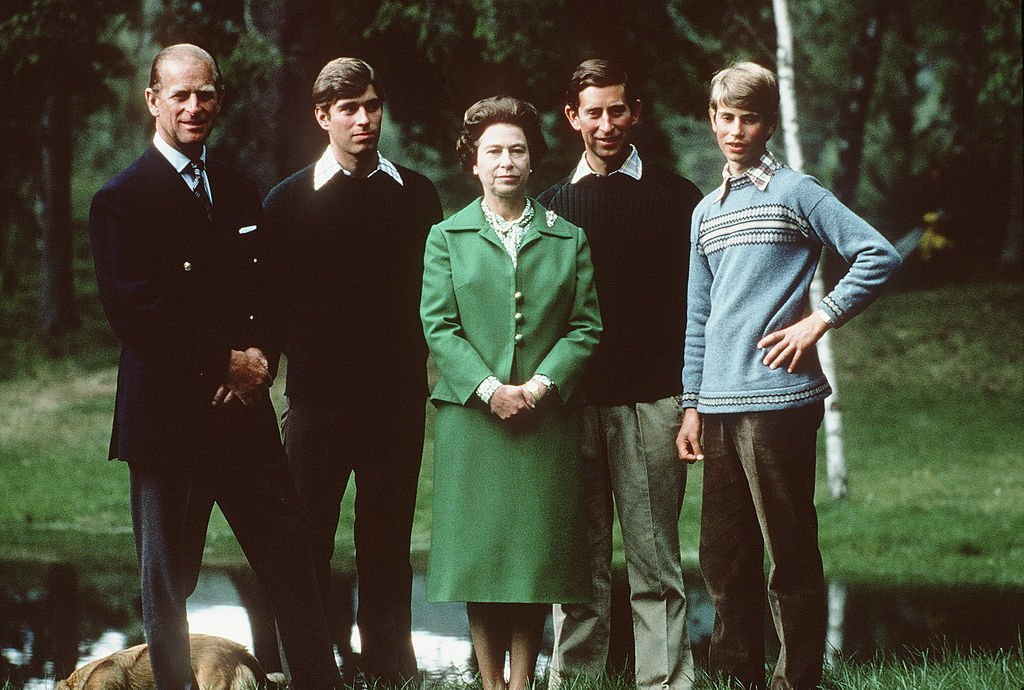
(187, 265)
(252, 317)
(518, 338)
(518, 317)
(518, 296)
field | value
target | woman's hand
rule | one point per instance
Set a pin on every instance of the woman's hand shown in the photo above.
(508, 401)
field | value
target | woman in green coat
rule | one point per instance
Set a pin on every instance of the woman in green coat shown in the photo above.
(510, 315)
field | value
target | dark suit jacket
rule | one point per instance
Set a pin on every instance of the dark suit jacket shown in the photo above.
(181, 291)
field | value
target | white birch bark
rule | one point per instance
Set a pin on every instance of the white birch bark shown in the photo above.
(834, 454)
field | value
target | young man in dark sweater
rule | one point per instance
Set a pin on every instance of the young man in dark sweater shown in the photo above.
(636, 217)
(350, 231)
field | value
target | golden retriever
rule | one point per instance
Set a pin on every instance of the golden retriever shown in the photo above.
(219, 664)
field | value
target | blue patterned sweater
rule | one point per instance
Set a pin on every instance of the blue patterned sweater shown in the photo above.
(752, 258)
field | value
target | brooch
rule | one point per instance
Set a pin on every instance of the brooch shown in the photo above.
(551, 217)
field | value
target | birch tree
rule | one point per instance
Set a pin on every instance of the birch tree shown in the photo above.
(835, 456)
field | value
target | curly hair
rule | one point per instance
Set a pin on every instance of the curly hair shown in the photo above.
(499, 110)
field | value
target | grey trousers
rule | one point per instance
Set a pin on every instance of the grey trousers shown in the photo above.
(629, 455)
(758, 496)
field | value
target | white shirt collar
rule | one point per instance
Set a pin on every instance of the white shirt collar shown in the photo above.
(328, 166)
(175, 157)
(631, 167)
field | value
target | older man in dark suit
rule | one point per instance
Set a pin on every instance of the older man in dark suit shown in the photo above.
(180, 262)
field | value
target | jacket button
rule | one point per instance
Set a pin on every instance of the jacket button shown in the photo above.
(518, 296)
(255, 260)
(252, 317)
(519, 338)
(187, 265)
(518, 317)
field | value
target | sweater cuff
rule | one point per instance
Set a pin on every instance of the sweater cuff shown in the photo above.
(834, 310)
(689, 399)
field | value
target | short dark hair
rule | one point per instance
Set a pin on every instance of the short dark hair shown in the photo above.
(180, 51)
(344, 77)
(499, 110)
(599, 73)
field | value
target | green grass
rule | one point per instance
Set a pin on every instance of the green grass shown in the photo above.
(932, 387)
(950, 671)
(931, 382)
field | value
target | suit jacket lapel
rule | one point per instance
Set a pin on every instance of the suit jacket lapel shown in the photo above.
(173, 188)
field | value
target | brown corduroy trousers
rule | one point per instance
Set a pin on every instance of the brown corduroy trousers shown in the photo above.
(759, 495)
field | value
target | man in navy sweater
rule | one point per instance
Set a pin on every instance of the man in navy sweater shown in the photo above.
(753, 384)
(636, 216)
(350, 232)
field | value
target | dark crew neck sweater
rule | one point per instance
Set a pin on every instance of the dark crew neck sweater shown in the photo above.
(639, 239)
(350, 259)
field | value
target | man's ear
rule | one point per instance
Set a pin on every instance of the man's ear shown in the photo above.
(154, 109)
(635, 110)
(573, 116)
(323, 117)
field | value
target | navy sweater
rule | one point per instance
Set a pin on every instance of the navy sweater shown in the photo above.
(350, 264)
(638, 232)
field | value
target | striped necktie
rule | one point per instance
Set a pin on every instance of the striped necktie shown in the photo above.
(199, 187)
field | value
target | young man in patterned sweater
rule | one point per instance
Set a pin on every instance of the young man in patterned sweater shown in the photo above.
(753, 385)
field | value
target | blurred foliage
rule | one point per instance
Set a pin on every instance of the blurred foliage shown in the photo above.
(946, 93)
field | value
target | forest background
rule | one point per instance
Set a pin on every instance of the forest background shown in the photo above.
(905, 107)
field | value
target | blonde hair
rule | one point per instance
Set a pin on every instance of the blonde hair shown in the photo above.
(746, 85)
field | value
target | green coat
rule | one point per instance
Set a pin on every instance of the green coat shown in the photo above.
(508, 520)
(483, 317)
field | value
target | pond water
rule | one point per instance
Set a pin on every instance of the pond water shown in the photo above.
(55, 618)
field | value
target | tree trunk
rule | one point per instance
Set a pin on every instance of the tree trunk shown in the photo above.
(56, 281)
(834, 453)
(901, 211)
(1010, 259)
(854, 118)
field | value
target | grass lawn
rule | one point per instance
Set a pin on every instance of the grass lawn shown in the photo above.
(932, 388)
(931, 383)
(999, 671)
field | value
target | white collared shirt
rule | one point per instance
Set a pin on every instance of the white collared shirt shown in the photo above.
(631, 167)
(182, 163)
(328, 166)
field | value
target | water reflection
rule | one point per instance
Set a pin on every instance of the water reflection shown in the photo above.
(54, 618)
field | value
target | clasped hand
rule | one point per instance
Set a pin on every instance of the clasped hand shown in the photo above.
(248, 371)
(508, 401)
